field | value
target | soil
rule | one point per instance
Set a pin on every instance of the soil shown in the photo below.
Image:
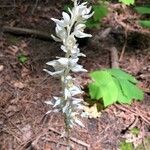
(24, 87)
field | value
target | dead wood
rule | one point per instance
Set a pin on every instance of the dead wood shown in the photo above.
(114, 57)
(27, 32)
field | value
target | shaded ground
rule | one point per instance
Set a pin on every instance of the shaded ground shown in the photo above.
(25, 87)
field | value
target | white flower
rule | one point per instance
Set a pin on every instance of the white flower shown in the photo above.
(81, 12)
(78, 31)
(59, 66)
(64, 22)
(70, 26)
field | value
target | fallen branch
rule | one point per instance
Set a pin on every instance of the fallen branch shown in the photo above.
(114, 57)
(136, 112)
(72, 138)
(27, 32)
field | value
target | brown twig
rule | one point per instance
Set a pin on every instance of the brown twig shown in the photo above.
(71, 138)
(36, 3)
(135, 112)
(125, 43)
(27, 32)
(130, 28)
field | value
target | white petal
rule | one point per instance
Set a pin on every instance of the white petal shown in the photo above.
(52, 63)
(74, 90)
(67, 93)
(66, 18)
(78, 68)
(59, 22)
(81, 34)
(65, 108)
(55, 38)
(72, 62)
(63, 48)
(63, 61)
(48, 112)
(56, 73)
(57, 102)
(80, 26)
(49, 102)
(88, 16)
(89, 10)
(79, 123)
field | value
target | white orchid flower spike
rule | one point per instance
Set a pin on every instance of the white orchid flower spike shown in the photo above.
(68, 28)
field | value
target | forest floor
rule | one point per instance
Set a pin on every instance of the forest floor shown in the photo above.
(24, 87)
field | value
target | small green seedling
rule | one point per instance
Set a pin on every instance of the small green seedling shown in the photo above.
(126, 146)
(22, 58)
(135, 131)
(114, 85)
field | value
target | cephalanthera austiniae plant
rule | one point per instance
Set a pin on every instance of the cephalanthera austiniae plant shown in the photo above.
(70, 26)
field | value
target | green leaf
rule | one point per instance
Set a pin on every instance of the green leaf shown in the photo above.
(145, 23)
(130, 90)
(99, 12)
(122, 75)
(143, 10)
(127, 2)
(101, 87)
(92, 24)
(114, 85)
(67, 6)
(22, 59)
(121, 97)
(126, 146)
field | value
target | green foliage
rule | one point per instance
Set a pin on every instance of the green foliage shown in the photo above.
(127, 2)
(130, 146)
(145, 23)
(99, 13)
(143, 10)
(135, 131)
(126, 146)
(22, 58)
(114, 85)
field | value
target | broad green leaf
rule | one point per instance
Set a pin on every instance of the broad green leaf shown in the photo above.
(99, 12)
(114, 85)
(130, 90)
(121, 97)
(95, 91)
(143, 10)
(145, 23)
(127, 2)
(117, 73)
(102, 87)
(109, 93)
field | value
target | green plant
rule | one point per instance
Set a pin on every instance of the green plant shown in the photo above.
(22, 58)
(126, 146)
(143, 10)
(70, 27)
(114, 85)
(100, 11)
(127, 2)
(135, 131)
